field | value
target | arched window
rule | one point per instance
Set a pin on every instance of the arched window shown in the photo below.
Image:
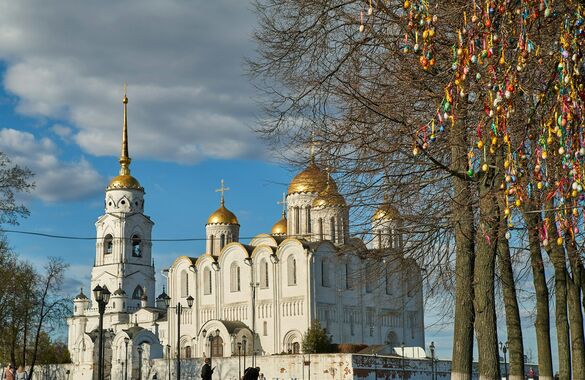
(212, 245)
(138, 293)
(291, 266)
(320, 229)
(263, 273)
(235, 277)
(324, 273)
(265, 328)
(297, 221)
(188, 352)
(136, 246)
(108, 244)
(296, 348)
(308, 222)
(184, 283)
(221, 241)
(207, 281)
(332, 227)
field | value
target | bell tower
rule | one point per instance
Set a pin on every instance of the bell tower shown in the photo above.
(123, 257)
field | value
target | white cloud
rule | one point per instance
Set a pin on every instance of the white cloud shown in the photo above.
(55, 180)
(189, 98)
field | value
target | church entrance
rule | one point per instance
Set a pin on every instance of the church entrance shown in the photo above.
(217, 347)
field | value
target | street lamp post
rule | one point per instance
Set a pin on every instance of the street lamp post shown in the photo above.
(504, 348)
(253, 285)
(102, 297)
(402, 360)
(179, 310)
(245, 344)
(239, 360)
(139, 349)
(432, 348)
(169, 359)
(126, 341)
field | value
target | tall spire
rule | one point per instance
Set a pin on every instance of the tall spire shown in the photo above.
(124, 157)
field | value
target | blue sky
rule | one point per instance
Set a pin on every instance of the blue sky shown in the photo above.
(192, 112)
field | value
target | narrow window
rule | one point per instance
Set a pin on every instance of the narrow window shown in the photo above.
(388, 282)
(324, 273)
(265, 328)
(308, 223)
(263, 273)
(380, 240)
(347, 274)
(184, 283)
(292, 271)
(207, 281)
(221, 241)
(138, 293)
(368, 277)
(212, 245)
(108, 244)
(235, 277)
(136, 246)
(297, 221)
(320, 229)
(332, 227)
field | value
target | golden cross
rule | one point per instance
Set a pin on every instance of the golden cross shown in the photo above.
(222, 189)
(282, 202)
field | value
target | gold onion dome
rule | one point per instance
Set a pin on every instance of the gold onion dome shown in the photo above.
(222, 216)
(329, 197)
(310, 180)
(386, 211)
(279, 227)
(124, 180)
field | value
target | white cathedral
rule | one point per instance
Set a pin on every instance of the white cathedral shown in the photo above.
(263, 294)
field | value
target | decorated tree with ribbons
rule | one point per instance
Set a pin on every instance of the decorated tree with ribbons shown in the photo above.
(468, 116)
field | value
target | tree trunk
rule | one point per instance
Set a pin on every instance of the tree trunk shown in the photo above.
(542, 322)
(484, 277)
(575, 313)
(513, 323)
(557, 255)
(24, 335)
(464, 231)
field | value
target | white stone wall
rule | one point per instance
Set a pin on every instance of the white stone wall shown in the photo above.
(278, 367)
(299, 215)
(230, 232)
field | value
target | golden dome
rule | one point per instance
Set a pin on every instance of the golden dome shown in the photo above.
(222, 216)
(329, 196)
(310, 180)
(279, 227)
(124, 182)
(386, 211)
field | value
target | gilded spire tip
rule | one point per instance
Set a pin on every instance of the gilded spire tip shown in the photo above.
(124, 156)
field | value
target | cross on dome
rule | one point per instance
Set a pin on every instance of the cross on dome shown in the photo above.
(283, 202)
(222, 189)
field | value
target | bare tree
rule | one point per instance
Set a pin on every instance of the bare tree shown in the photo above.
(52, 307)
